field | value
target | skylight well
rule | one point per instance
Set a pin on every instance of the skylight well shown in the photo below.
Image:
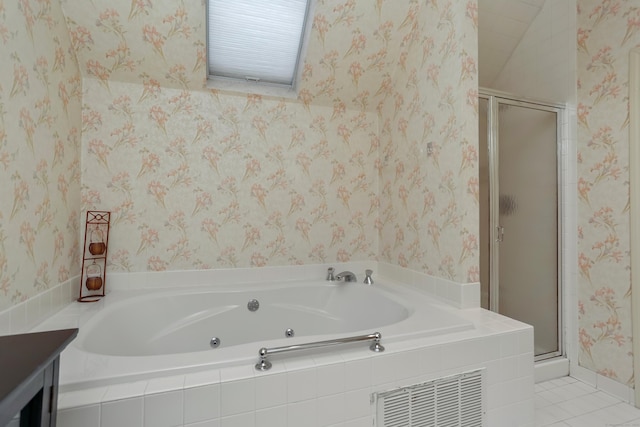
(256, 40)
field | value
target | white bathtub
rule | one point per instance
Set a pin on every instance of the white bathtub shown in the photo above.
(143, 358)
(141, 334)
(183, 321)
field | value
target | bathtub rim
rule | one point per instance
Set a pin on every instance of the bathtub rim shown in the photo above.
(457, 294)
(88, 378)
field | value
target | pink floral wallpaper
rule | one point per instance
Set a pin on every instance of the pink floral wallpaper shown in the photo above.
(140, 40)
(208, 179)
(40, 100)
(352, 53)
(211, 180)
(374, 160)
(607, 31)
(429, 211)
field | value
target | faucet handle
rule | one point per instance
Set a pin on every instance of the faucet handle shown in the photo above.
(368, 280)
(330, 276)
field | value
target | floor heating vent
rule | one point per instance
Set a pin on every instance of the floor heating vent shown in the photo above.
(454, 401)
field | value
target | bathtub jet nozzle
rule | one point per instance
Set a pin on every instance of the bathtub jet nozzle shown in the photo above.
(253, 305)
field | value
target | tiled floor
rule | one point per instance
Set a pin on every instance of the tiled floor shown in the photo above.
(567, 402)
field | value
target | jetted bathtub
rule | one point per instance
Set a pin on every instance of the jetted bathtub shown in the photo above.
(139, 334)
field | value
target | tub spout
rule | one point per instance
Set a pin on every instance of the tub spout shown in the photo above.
(347, 276)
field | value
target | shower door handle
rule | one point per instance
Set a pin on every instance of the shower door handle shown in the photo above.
(500, 230)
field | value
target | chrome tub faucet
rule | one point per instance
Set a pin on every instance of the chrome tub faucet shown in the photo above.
(347, 276)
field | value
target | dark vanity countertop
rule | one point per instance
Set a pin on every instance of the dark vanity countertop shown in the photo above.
(23, 357)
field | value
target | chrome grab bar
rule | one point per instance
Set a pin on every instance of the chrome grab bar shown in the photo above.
(265, 365)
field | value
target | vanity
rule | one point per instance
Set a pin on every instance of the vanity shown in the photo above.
(29, 368)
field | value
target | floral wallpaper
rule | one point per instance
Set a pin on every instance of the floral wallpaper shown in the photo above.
(208, 179)
(352, 51)
(607, 31)
(140, 40)
(213, 180)
(373, 160)
(429, 211)
(40, 93)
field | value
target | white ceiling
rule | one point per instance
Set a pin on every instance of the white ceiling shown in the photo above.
(501, 25)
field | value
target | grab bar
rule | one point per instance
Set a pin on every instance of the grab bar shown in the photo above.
(265, 365)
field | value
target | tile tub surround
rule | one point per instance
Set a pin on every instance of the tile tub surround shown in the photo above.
(26, 315)
(332, 388)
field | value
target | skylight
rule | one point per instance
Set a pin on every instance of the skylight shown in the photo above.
(256, 40)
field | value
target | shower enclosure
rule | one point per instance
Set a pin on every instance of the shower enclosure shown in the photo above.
(519, 214)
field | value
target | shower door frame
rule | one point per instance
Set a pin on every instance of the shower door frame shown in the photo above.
(494, 99)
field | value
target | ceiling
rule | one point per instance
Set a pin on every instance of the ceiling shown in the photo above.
(501, 25)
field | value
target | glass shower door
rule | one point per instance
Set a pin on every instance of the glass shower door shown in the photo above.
(527, 231)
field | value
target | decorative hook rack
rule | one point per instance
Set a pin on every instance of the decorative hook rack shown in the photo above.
(94, 256)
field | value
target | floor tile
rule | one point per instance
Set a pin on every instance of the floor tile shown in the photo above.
(568, 402)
